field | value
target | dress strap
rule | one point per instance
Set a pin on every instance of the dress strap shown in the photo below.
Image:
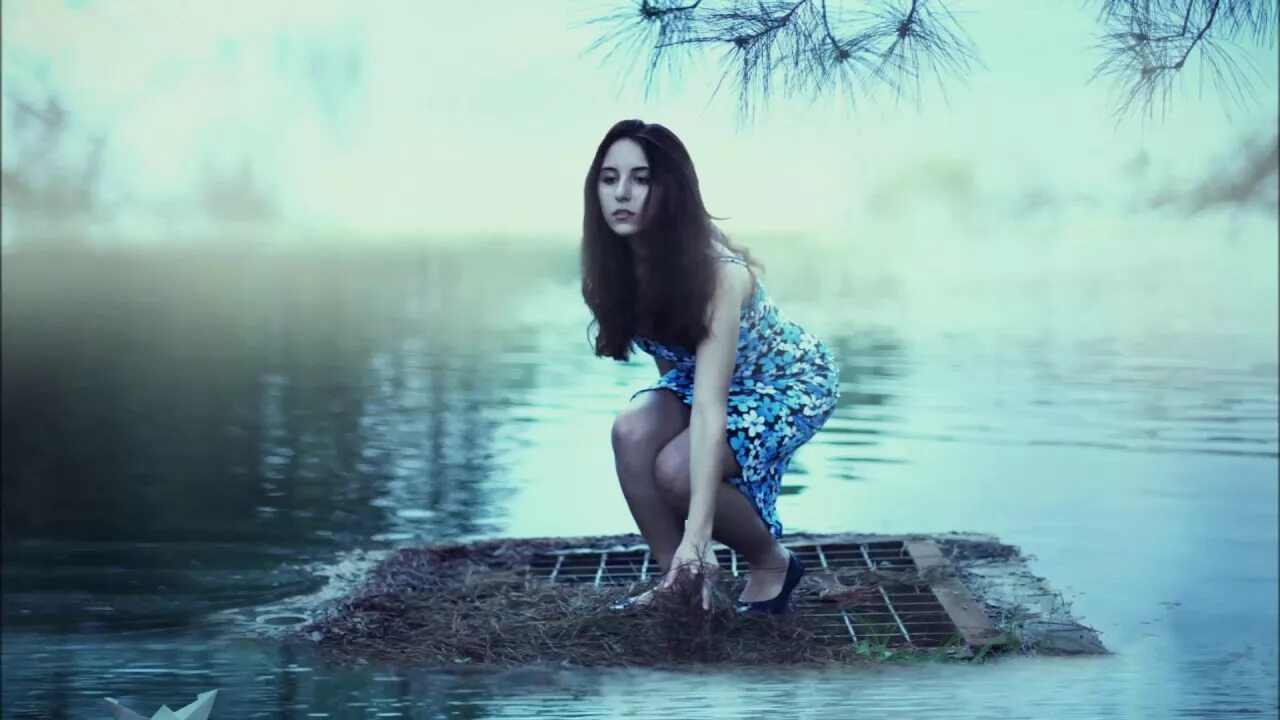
(734, 259)
(756, 290)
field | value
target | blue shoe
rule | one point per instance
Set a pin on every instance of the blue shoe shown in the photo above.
(626, 603)
(622, 604)
(779, 604)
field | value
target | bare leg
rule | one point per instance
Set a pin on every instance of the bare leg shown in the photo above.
(736, 523)
(639, 433)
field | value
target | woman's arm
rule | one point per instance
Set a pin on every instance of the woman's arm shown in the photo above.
(712, 372)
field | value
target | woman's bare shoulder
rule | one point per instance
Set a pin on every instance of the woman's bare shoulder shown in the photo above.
(736, 281)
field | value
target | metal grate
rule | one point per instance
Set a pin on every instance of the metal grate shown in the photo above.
(896, 619)
(599, 567)
(906, 614)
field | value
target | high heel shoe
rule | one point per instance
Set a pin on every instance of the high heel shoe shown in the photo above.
(623, 604)
(632, 602)
(779, 604)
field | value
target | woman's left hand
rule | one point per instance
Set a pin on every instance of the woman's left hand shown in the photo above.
(696, 558)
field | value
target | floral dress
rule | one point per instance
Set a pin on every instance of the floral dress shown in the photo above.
(784, 388)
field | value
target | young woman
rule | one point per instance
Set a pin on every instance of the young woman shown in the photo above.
(701, 453)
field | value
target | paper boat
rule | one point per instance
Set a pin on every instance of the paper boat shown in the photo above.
(198, 710)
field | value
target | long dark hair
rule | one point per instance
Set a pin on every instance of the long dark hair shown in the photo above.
(676, 234)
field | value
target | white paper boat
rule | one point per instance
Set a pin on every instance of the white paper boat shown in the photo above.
(198, 710)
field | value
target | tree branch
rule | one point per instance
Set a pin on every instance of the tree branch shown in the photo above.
(1146, 56)
(1186, 17)
(1213, 12)
(826, 23)
(897, 42)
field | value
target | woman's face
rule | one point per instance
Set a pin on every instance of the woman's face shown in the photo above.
(624, 186)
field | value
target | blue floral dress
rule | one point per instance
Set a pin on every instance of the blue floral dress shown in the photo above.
(784, 388)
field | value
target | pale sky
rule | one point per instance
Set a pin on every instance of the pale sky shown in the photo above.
(482, 116)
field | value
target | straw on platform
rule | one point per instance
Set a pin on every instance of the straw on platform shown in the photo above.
(477, 604)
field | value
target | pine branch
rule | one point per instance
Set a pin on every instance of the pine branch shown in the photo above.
(893, 45)
(1151, 42)
(898, 44)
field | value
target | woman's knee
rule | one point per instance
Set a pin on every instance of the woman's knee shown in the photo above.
(671, 469)
(632, 433)
(646, 426)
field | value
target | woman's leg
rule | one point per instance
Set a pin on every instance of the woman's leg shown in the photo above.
(639, 433)
(736, 523)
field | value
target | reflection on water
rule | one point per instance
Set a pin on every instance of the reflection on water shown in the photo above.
(188, 435)
(283, 682)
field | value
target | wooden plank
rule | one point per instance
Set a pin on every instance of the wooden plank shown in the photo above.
(965, 612)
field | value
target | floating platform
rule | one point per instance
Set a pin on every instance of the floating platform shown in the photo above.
(505, 602)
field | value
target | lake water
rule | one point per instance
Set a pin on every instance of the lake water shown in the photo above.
(193, 434)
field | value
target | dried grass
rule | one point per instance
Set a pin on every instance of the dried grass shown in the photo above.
(476, 604)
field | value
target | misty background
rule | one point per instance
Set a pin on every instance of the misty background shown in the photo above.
(129, 122)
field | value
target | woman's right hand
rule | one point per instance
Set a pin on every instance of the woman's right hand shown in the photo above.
(696, 559)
